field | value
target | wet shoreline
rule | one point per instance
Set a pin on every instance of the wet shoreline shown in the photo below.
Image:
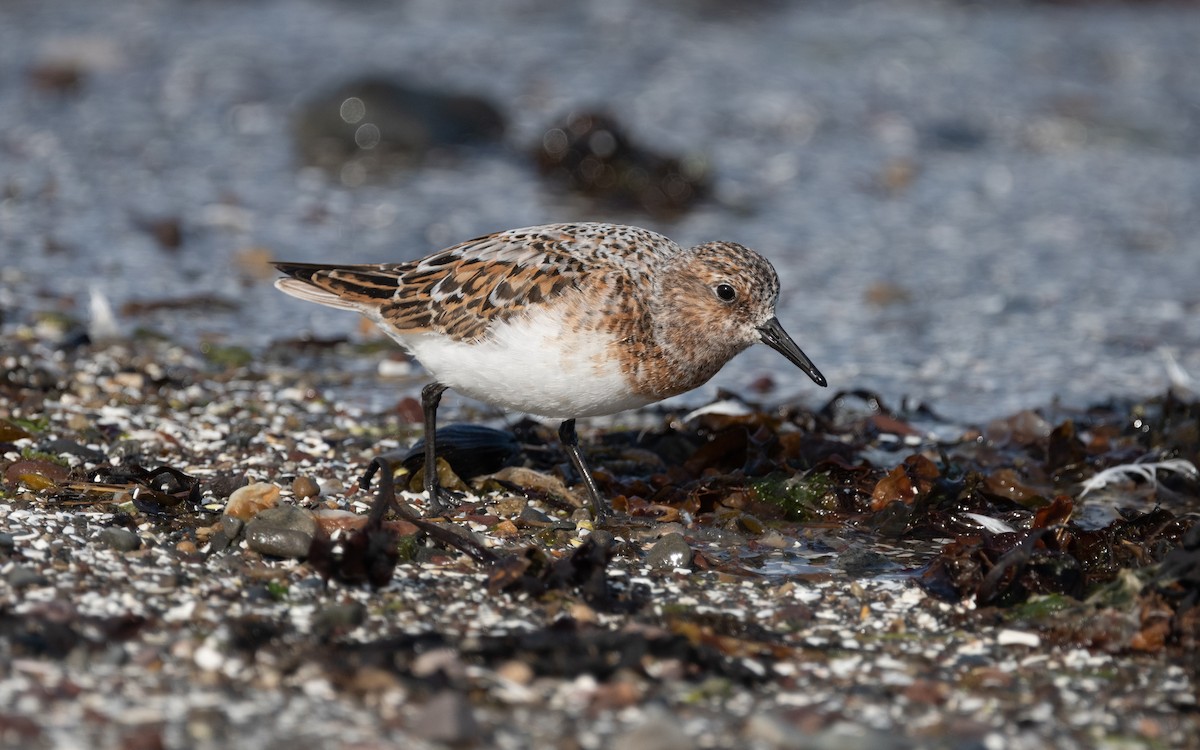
(838, 573)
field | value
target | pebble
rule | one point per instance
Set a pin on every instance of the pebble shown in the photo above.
(462, 531)
(505, 529)
(1009, 637)
(304, 488)
(510, 506)
(862, 563)
(231, 526)
(122, 540)
(671, 551)
(59, 447)
(285, 531)
(246, 502)
(775, 540)
(218, 542)
(603, 539)
(516, 671)
(750, 523)
(439, 660)
(529, 513)
(286, 517)
(21, 577)
(657, 732)
(768, 730)
(287, 543)
(447, 718)
(848, 736)
(209, 658)
(337, 618)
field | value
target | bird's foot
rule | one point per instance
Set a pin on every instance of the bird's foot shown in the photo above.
(440, 501)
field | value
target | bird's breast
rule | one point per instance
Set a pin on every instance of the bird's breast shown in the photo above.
(542, 363)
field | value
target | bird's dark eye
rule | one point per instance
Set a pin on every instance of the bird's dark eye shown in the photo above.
(725, 292)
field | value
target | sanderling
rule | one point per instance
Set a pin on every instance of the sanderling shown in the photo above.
(562, 321)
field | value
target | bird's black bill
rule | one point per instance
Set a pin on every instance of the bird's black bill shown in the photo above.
(778, 339)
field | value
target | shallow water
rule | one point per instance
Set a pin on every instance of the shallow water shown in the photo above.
(978, 207)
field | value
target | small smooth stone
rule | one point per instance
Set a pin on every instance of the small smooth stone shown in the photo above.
(750, 523)
(671, 551)
(771, 731)
(58, 447)
(657, 732)
(338, 617)
(248, 501)
(304, 488)
(218, 542)
(286, 517)
(22, 576)
(529, 513)
(467, 534)
(286, 543)
(122, 540)
(209, 658)
(447, 718)
(511, 506)
(231, 526)
(1009, 637)
(775, 540)
(285, 531)
(862, 563)
(602, 539)
(516, 671)
(505, 529)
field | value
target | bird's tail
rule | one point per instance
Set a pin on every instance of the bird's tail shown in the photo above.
(343, 287)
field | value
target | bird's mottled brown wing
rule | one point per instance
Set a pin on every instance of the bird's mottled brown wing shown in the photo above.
(462, 290)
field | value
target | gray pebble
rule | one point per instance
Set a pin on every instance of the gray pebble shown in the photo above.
(602, 539)
(846, 735)
(671, 551)
(284, 531)
(122, 540)
(657, 732)
(770, 731)
(338, 617)
(218, 542)
(21, 577)
(718, 535)
(658, 531)
(277, 542)
(7, 543)
(863, 563)
(466, 533)
(447, 718)
(232, 526)
(285, 517)
(58, 447)
(529, 513)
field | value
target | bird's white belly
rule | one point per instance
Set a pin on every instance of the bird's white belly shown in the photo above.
(534, 364)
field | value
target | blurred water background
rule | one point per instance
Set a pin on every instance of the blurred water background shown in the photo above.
(982, 206)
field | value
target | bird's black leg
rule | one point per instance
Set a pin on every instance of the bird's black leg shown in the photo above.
(430, 396)
(570, 441)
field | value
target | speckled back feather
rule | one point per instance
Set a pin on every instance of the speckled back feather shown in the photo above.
(462, 290)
